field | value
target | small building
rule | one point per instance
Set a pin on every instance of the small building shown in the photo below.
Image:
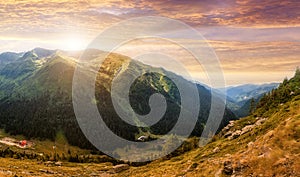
(23, 143)
(142, 138)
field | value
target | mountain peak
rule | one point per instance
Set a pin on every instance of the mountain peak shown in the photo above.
(38, 53)
(41, 52)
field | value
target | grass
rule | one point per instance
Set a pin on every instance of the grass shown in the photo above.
(46, 146)
(275, 150)
(26, 168)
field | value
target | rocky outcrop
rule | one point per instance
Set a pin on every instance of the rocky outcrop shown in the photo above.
(231, 134)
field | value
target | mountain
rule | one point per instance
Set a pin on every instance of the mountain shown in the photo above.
(245, 92)
(36, 99)
(266, 143)
(239, 97)
(8, 57)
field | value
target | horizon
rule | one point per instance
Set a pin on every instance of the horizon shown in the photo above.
(202, 83)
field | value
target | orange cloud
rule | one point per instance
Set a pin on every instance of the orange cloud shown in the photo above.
(249, 36)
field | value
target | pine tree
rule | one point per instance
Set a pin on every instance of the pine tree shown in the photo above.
(297, 71)
(252, 105)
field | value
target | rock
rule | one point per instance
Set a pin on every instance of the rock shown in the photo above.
(247, 129)
(228, 169)
(227, 134)
(50, 172)
(239, 167)
(227, 155)
(43, 170)
(47, 171)
(121, 167)
(250, 144)
(10, 173)
(216, 150)
(49, 163)
(236, 134)
(58, 163)
(260, 121)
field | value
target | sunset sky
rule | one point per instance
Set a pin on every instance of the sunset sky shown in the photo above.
(256, 41)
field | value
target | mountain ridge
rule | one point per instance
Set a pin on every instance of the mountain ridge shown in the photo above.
(34, 86)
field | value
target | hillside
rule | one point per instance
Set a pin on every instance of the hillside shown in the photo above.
(266, 143)
(36, 88)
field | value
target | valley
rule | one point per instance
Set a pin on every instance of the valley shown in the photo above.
(40, 135)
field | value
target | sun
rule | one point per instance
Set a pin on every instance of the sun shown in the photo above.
(74, 43)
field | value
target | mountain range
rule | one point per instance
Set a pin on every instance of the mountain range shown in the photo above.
(239, 97)
(36, 99)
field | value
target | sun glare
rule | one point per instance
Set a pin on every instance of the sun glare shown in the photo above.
(74, 43)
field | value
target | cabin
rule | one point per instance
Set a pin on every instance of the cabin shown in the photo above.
(23, 143)
(142, 138)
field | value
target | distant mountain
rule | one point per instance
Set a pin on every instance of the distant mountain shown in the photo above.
(36, 100)
(8, 57)
(245, 92)
(239, 97)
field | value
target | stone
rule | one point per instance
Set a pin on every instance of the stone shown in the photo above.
(250, 144)
(227, 134)
(49, 163)
(260, 121)
(228, 169)
(58, 163)
(247, 129)
(216, 150)
(43, 170)
(236, 134)
(121, 167)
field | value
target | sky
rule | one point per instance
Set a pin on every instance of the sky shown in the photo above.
(256, 41)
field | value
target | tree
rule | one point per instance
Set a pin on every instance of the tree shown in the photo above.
(297, 74)
(297, 71)
(252, 105)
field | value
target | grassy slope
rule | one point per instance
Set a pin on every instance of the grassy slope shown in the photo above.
(27, 168)
(45, 146)
(273, 148)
